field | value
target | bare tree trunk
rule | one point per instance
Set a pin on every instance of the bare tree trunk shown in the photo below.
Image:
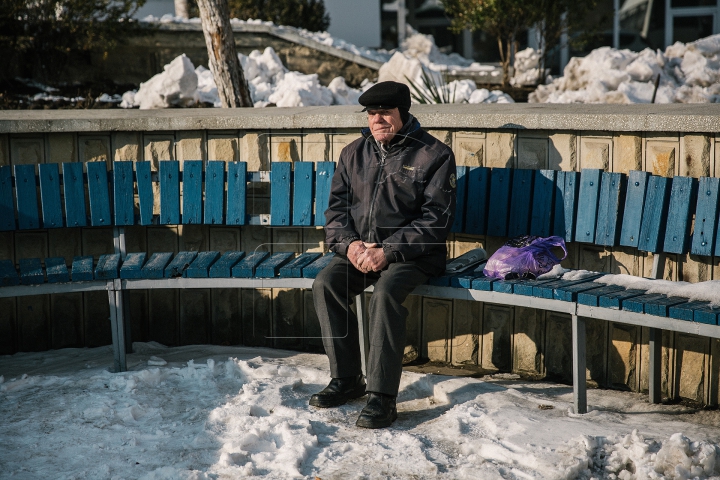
(223, 59)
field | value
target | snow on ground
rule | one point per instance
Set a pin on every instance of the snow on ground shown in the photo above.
(200, 412)
(689, 73)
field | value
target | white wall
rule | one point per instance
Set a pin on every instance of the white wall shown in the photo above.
(355, 21)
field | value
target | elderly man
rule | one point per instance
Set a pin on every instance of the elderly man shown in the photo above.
(391, 206)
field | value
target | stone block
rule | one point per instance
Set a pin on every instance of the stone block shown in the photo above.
(312, 334)
(257, 317)
(313, 240)
(437, 321)
(465, 243)
(62, 148)
(194, 238)
(33, 325)
(287, 318)
(4, 150)
(694, 155)
(694, 268)
(466, 330)
(669, 271)
(31, 245)
(667, 358)
(573, 255)
(315, 147)
(596, 259)
(97, 241)
(532, 153)
(660, 157)
(624, 356)
(95, 148)
(497, 328)
(226, 328)
(157, 148)
(469, 148)
(715, 169)
(223, 147)
(27, 150)
(286, 147)
(628, 153)
(558, 351)
(692, 363)
(529, 341)
(255, 238)
(562, 153)
(287, 240)
(162, 239)
(500, 149)
(163, 320)
(190, 145)
(195, 316)
(596, 152)
(445, 136)
(67, 320)
(126, 146)
(66, 243)
(413, 327)
(8, 326)
(255, 150)
(625, 260)
(96, 315)
(224, 239)
(341, 139)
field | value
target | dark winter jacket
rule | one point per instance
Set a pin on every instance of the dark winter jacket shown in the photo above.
(403, 198)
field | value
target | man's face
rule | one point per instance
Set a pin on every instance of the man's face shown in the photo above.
(384, 124)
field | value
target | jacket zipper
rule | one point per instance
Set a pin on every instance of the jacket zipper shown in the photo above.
(375, 190)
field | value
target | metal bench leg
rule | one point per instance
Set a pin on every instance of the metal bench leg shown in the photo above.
(363, 332)
(654, 378)
(125, 318)
(117, 330)
(579, 382)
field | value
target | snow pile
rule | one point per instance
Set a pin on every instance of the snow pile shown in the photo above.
(689, 73)
(527, 67)
(176, 86)
(701, 291)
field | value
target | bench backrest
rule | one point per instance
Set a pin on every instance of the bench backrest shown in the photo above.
(649, 212)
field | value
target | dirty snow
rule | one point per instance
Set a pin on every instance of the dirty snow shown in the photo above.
(708, 291)
(200, 412)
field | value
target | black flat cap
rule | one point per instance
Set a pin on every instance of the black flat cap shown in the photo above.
(386, 95)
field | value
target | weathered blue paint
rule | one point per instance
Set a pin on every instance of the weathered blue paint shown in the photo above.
(99, 194)
(637, 304)
(200, 267)
(50, 195)
(324, 172)
(280, 193)
(706, 216)
(108, 267)
(31, 271)
(177, 266)
(634, 207)
(236, 188)
(214, 192)
(155, 266)
(145, 192)
(614, 300)
(588, 205)
(294, 268)
(56, 270)
(26, 197)
(302, 186)
(132, 266)
(612, 192)
(520, 202)
(169, 176)
(500, 182)
(192, 200)
(223, 267)
(270, 267)
(312, 270)
(74, 194)
(569, 290)
(592, 297)
(460, 195)
(246, 267)
(652, 228)
(8, 275)
(123, 193)
(478, 191)
(661, 306)
(567, 186)
(683, 196)
(541, 221)
(483, 283)
(82, 269)
(7, 206)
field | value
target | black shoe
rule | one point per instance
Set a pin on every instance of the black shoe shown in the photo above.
(339, 391)
(380, 411)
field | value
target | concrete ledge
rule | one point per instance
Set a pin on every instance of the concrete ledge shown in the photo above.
(700, 118)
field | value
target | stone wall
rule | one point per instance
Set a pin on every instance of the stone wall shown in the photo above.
(492, 337)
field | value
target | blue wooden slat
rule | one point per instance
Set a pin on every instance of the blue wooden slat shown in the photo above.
(99, 194)
(661, 306)
(637, 304)
(155, 266)
(214, 192)
(525, 287)
(557, 289)
(506, 286)
(246, 267)
(123, 193)
(634, 206)
(26, 196)
(8, 275)
(483, 283)
(652, 227)
(177, 267)
(567, 185)
(56, 270)
(200, 267)
(270, 267)
(465, 280)
(145, 192)
(683, 195)
(108, 267)
(612, 190)
(132, 266)
(280, 193)
(302, 193)
(706, 216)
(614, 300)
(500, 181)
(7, 206)
(50, 195)
(685, 311)
(460, 195)
(587, 205)
(592, 297)
(223, 267)
(520, 202)
(312, 270)
(31, 271)
(441, 281)
(324, 172)
(169, 176)
(478, 190)
(192, 192)
(294, 268)
(82, 269)
(568, 292)
(542, 204)
(236, 188)
(74, 194)
(707, 314)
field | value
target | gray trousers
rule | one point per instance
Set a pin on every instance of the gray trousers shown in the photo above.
(334, 290)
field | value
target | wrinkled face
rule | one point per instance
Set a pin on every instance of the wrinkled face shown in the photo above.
(384, 124)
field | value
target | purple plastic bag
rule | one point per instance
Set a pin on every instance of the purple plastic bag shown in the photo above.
(524, 257)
